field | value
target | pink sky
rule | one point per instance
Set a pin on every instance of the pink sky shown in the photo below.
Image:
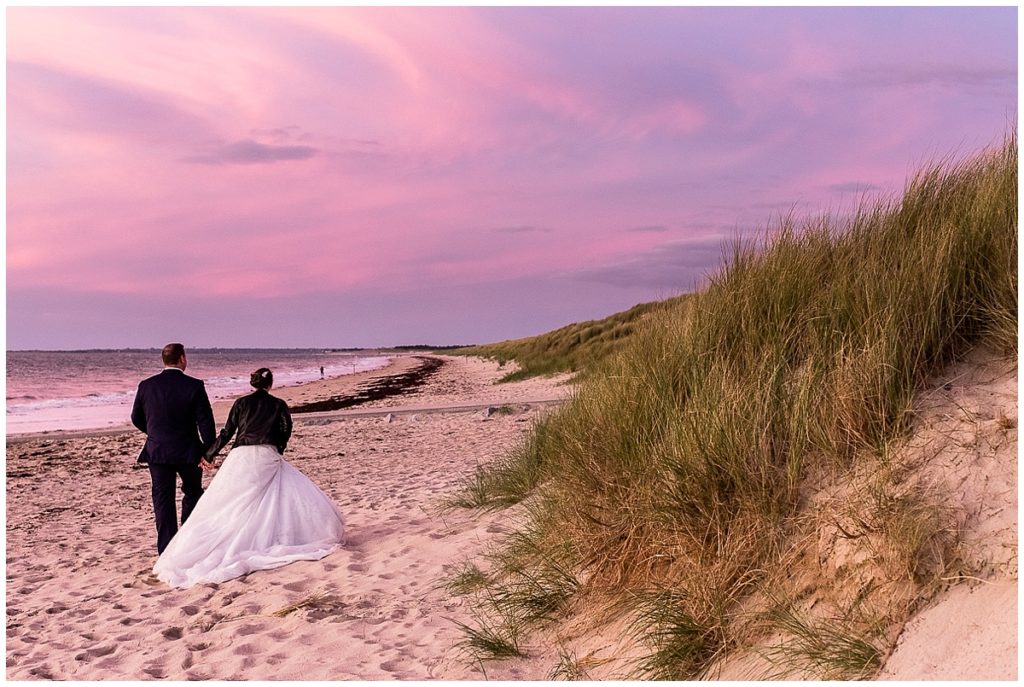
(264, 177)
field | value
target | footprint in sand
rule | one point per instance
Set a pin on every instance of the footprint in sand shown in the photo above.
(173, 633)
(99, 651)
(245, 650)
(246, 630)
(155, 672)
(190, 610)
(229, 598)
(42, 672)
(299, 586)
(109, 663)
(391, 666)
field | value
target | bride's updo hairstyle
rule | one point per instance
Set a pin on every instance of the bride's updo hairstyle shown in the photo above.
(262, 378)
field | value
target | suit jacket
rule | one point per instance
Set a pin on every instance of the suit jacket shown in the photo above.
(174, 412)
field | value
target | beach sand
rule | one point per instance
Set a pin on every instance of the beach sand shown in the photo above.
(82, 603)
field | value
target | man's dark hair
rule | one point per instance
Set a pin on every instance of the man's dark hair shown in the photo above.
(172, 353)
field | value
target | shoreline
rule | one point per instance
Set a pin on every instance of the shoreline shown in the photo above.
(295, 395)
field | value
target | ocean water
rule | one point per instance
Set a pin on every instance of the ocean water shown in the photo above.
(63, 390)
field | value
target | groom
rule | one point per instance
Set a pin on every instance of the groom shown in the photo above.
(174, 412)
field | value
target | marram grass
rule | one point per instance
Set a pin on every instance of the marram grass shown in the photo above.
(573, 348)
(679, 461)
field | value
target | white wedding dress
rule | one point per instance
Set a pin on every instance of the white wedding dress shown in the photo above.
(259, 512)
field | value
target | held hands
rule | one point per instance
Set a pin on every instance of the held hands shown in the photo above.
(207, 465)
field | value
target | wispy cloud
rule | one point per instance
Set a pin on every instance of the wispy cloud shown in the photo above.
(675, 265)
(936, 74)
(854, 187)
(522, 229)
(68, 101)
(647, 229)
(250, 152)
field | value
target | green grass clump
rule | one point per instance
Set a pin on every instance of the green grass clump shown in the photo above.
(569, 667)
(466, 580)
(490, 638)
(830, 648)
(681, 646)
(577, 347)
(678, 464)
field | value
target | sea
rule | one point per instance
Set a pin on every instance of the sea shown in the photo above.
(76, 390)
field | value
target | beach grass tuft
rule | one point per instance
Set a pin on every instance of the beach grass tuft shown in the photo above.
(831, 648)
(681, 646)
(466, 580)
(569, 667)
(494, 634)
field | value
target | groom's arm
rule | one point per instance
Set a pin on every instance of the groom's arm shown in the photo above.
(225, 433)
(139, 411)
(204, 418)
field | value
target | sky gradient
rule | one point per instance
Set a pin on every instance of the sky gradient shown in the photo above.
(286, 177)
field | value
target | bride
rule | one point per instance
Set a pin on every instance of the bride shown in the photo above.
(259, 512)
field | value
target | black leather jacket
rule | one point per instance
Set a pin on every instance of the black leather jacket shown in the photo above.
(259, 418)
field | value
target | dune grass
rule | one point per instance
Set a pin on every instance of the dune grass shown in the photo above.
(679, 462)
(573, 348)
(833, 648)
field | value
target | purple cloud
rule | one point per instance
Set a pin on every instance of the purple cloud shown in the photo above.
(945, 75)
(679, 265)
(63, 100)
(522, 229)
(854, 187)
(249, 152)
(648, 229)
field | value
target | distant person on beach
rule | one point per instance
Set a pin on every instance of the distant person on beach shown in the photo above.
(321, 372)
(259, 512)
(174, 412)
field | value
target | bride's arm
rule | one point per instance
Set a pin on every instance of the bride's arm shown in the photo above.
(284, 427)
(225, 435)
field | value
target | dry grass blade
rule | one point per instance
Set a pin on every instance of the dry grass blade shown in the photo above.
(311, 601)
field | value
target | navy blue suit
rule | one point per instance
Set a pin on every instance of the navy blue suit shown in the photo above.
(174, 412)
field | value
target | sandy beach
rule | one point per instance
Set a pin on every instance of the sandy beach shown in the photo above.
(82, 603)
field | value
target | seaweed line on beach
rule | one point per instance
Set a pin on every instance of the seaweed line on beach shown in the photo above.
(377, 389)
